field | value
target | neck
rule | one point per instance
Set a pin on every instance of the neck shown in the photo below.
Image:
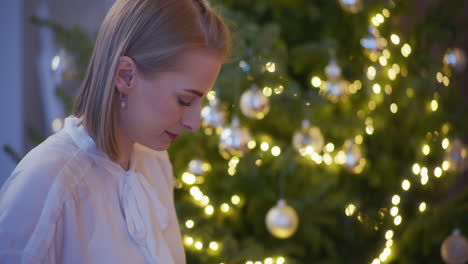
(126, 147)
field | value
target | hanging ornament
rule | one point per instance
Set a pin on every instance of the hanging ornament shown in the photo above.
(213, 115)
(353, 159)
(351, 6)
(457, 156)
(254, 104)
(282, 220)
(455, 58)
(308, 139)
(233, 140)
(335, 88)
(199, 167)
(373, 44)
(454, 249)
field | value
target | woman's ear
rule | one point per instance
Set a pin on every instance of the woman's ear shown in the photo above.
(125, 78)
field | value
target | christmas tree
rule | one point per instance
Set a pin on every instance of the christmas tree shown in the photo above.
(334, 134)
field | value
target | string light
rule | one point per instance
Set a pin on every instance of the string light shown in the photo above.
(225, 207)
(406, 50)
(188, 178)
(189, 224)
(251, 144)
(395, 39)
(270, 66)
(235, 199)
(426, 149)
(422, 207)
(209, 210)
(446, 81)
(445, 165)
(350, 209)
(198, 245)
(416, 169)
(394, 108)
(434, 105)
(397, 220)
(394, 211)
(276, 151)
(389, 234)
(267, 91)
(386, 53)
(405, 185)
(376, 88)
(383, 61)
(214, 246)
(316, 82)
(371, 72)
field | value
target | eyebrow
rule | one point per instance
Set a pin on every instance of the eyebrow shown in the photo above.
(199, 94)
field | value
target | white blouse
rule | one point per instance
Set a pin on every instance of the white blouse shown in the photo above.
(66, 202)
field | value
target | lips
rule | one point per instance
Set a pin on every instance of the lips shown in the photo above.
(171, 135)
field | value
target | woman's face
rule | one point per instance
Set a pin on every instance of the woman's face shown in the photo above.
(167, 103)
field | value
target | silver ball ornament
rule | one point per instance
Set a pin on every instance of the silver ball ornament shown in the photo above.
(308, 139)
(233, 140)
(373, 43)
(455, 58)
(351, 6)
(213, 115)
(457, 156)
(199, 167)
(354, 160)
(333, 70)
(254, 104)
(454, 249)
(335, 90)
(282, 220)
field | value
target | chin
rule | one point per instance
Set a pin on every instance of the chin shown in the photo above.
(155, 146)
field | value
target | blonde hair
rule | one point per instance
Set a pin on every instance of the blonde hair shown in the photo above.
(154, 33)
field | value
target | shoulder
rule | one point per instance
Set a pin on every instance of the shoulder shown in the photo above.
(34, 194)
(45, 163)
(44, 177)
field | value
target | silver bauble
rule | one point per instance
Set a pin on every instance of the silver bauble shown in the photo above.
(373, 43)
(63, 67)
(213, 115)
(308, 139)
(455, 58)
(254, 104)
(353, 156)
(199, 167)
(454, 249)
(282, 220)
(351, 6)
(335, 90)
(457, 156)
(333, 71)
(233, 140)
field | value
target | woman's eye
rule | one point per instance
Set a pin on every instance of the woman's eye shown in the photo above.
(181, 102)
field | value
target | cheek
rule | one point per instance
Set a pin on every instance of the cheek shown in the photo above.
(160, 110)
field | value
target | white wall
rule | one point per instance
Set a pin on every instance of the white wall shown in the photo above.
(11, 76)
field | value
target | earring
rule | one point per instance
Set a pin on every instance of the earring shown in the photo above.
(123, 100)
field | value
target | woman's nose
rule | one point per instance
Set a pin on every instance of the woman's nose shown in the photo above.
(191, 120)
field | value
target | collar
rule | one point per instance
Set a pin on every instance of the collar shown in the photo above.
(86, 143)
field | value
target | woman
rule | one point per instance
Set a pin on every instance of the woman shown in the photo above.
(101, 189)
